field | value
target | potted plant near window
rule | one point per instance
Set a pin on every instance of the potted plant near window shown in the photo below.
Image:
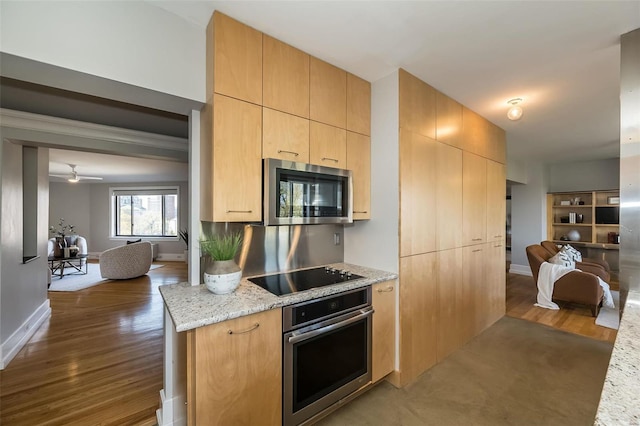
(223, 275)
(184, 236)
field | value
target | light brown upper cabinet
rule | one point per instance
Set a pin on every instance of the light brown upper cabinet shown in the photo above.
(497, 148)
(285, 77)
(448, 204)
(358, 105)
(418, 156)
(474, 199)
(475, 131)
(496, 201)
(448, 121)
(327, 145)
(328, 94)
(285, 136)
(234, 59)
(231, 161)
(417, 106)
(359, 162)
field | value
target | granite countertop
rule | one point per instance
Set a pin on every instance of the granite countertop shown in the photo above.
(195, 306)
(619, 399)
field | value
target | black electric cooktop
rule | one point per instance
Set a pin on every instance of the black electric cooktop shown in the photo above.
(293, 282)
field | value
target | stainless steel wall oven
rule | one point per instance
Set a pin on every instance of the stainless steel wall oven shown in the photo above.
(326, 352)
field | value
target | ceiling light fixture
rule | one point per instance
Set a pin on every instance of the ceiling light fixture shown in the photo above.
(515, 111)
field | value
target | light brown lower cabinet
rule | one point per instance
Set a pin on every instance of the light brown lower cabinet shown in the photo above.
(234, 371)
(451, 315)
(418, 307)
(383, 297)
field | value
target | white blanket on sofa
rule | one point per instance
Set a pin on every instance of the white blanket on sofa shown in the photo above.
(547, 276)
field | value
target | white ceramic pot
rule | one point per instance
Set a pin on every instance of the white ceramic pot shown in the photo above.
(222, 277)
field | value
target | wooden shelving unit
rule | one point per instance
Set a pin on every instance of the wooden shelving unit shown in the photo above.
(582, 203)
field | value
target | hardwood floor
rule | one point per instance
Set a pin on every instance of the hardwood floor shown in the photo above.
(97, 360)
(577, 319)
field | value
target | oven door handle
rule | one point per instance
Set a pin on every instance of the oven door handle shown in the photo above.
(363, 313)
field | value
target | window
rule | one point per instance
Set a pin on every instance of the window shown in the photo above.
(145, 212)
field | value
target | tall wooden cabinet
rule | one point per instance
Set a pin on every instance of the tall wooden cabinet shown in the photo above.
(309, 111)
(383, 352)
(452, 221)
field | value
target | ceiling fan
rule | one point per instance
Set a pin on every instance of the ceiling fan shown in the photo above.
(74, 177)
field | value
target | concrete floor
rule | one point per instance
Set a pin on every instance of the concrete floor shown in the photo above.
(514, 373)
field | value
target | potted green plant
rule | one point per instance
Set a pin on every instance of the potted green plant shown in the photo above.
(223, 275)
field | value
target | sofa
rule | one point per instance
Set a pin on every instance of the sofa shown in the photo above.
(126, 262)
(553, 248)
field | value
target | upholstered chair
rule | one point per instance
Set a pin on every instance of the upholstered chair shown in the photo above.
(576, 287)
(125, 262)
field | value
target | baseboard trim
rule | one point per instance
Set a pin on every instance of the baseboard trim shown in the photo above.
(21, 336)
(169, 409)
(520, 270)
(171, 257)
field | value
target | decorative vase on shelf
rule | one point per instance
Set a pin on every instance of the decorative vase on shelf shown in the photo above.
(573, 235)
(58, 247)
(222, 277)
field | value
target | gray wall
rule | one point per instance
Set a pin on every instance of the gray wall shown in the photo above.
(86, 206)
(374, 243)
(585, 176)
(23, 287)
(528, 215)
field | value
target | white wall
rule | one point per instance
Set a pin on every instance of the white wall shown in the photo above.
(23, 287)
(86, 206)
(528, 215)
(374, 243)
(133, 42)
(585, 176)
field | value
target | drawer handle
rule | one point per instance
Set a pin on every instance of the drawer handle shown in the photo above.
(477, 239)
(280, 151)
(476, 250)
(497, 236)
(253, 327)
(239, 211)
(330, 159)
(499, 245)
(363, 211)
(386, 290)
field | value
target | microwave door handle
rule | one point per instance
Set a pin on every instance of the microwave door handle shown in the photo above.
(363, 313)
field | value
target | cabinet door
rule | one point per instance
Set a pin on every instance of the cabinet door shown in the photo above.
(235, 371)
(496, 201)
(496, 281)
(474, 305)
(451, 330)
(497, 144)
(358, 105)
(384, 329)
(448, 121)
(234, 59)
(285, 136)
(474, 199)
(328, 93)
(417, 193)
(417, 105)
(327, 145)
(237, 161)
(285, 77)
(448, 197)
(418, 307)
(474, 132)
(359, 162)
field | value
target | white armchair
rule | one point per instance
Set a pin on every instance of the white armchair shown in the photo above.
(125, 262)
(81, 243)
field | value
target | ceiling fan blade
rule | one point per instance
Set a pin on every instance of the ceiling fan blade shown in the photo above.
(88, 177)
(61, 176)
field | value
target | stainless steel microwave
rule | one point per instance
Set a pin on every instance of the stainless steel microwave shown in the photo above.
(300, 193)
